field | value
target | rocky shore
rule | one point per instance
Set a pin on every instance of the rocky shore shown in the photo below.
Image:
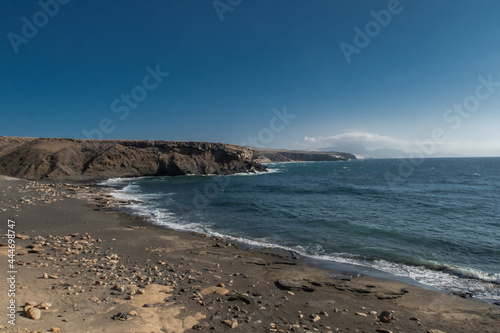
(84, 266)
(76, 159)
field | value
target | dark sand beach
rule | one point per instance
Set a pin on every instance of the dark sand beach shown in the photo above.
(86, 267)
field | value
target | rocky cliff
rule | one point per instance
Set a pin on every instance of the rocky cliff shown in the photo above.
(74, 159)
(278, 155)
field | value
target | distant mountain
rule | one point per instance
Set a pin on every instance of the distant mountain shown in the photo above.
(361, 152)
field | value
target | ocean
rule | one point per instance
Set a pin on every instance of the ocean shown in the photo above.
(434, 224)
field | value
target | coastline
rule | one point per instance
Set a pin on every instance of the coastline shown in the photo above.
(191, 279)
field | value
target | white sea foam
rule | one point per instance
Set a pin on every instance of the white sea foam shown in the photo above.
(258, 173)
(447, 278)
(480, 284)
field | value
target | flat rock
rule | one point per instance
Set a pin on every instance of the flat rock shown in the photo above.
(214, 290)
(290, 285)
(19, 236)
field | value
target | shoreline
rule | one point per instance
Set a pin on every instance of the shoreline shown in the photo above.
(337, 265)
(207, 281)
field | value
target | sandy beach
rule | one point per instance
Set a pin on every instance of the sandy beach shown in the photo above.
(82, 266)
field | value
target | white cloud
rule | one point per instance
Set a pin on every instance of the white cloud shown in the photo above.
(368, 140)
(428, 147)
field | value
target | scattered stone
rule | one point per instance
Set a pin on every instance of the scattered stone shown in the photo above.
(53, 276)
(44, 306)
(314, 318)
(244, 299)
(120, 316)
(133, 313)
(201, 326)
(435, 331)
(19, 236)
(466, 294)
(361, 314)
(386, 317)
(33, 313)
(382, 330)
(55, 329)
(231, 323)
(119, 288)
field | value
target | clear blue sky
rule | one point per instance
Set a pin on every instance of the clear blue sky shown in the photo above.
(226, 76)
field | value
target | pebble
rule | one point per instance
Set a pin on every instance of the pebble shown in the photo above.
(95, 299)
(231, 323)
(386, 317)
(33, 313)
(119, 288)
(314, 318)
(44, 306)
(201, 326)
(361, 314)
(19, 236)
(120, 316)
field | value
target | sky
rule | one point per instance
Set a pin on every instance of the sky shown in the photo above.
(416, 76)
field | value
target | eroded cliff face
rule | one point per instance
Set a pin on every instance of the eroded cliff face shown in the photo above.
(75, 159)
(280, 155)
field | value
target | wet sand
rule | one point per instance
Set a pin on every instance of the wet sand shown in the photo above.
(100, 270)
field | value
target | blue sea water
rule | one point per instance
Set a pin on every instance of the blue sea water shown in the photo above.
(436, 223)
